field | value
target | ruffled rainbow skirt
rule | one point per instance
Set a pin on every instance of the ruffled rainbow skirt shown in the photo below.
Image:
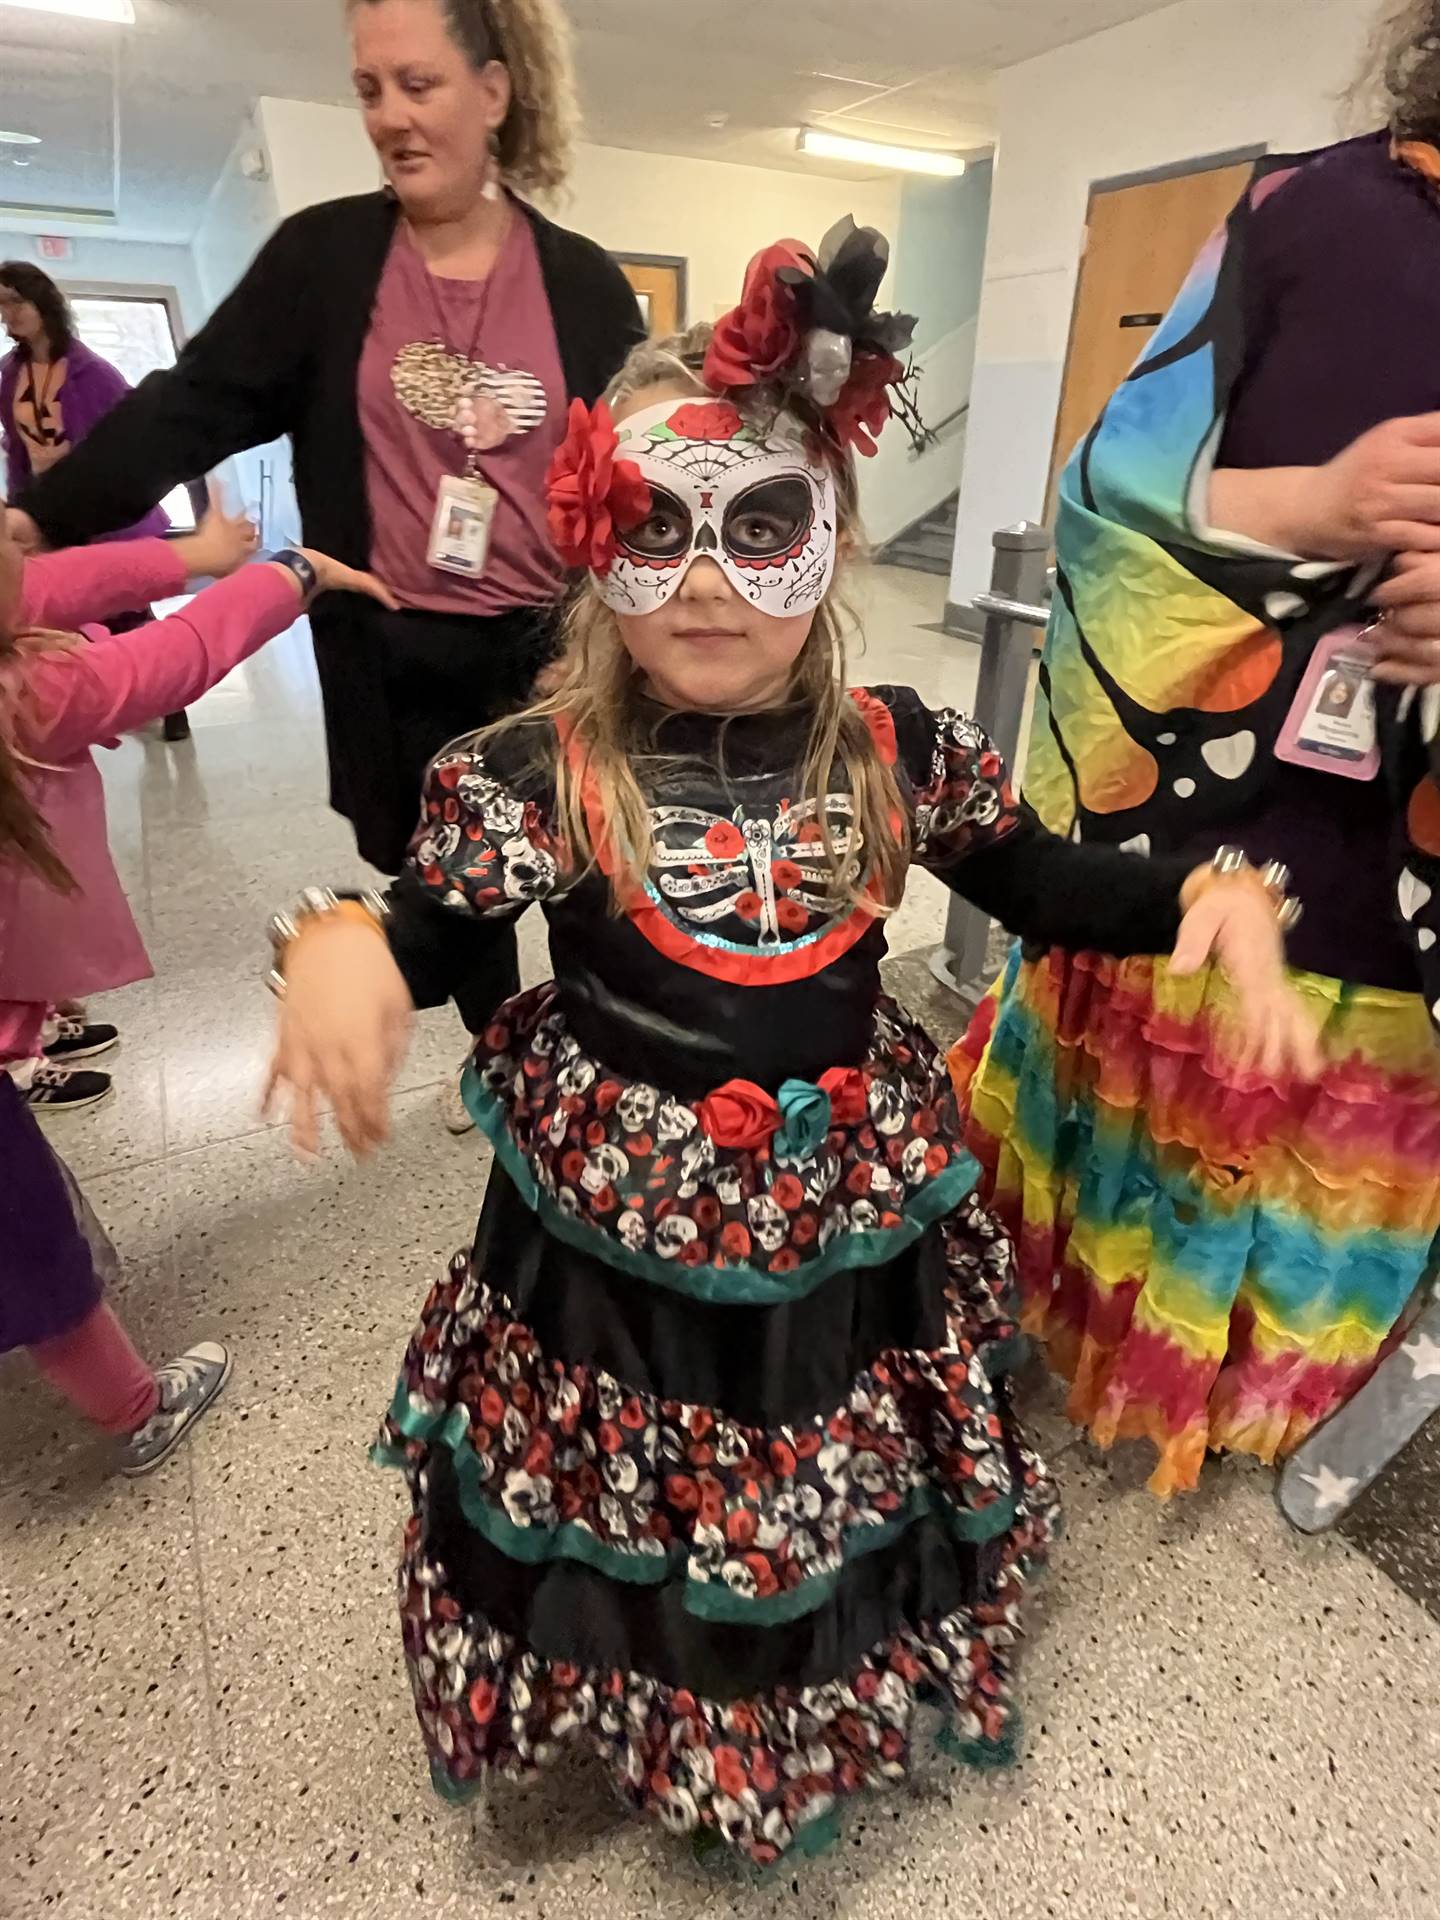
(1212, 1259)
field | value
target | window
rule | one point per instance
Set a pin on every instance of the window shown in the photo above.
(136, 333)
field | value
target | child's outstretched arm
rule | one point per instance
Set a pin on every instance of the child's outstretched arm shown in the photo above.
(81, 696)
(991, 849)
(88, 584)
(482, 852)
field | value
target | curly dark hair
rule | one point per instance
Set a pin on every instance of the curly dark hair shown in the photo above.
(1400, 86)
(43, 294)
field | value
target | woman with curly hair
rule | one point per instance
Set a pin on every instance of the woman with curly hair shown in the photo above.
(1215, 1258)
(421, 345)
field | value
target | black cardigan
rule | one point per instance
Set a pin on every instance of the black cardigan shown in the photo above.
(282, 356)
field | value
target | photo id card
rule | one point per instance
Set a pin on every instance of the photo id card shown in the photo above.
(1331, 726)
(460, 531)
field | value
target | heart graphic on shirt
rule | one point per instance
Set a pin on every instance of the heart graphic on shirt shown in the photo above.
(430, 382)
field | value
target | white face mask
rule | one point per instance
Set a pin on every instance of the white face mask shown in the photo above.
(762, 509)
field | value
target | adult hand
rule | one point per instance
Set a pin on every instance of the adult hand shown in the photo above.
(1380, 495)
(220, 545)
(1407, 643)
(332, 577)
(1231, 919)
(344, 1031)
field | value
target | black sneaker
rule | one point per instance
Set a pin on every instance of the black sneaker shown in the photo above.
(81, 1040)
(177, 727)
(59, 1090)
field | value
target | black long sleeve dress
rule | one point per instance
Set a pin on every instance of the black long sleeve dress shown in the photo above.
(712, 1460)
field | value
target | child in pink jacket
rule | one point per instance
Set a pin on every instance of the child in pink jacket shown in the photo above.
(65, 926)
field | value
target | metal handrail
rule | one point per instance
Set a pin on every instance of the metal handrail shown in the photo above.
(1013, 612)
(1018, 610)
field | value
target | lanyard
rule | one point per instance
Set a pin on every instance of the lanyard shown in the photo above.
(482, 305)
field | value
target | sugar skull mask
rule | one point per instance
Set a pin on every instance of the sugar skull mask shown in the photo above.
(761, 507)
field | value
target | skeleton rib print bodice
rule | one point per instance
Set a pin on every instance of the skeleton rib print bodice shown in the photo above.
(714, 1076)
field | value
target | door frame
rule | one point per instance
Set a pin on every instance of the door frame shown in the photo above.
(678, 262)
(1117, 183)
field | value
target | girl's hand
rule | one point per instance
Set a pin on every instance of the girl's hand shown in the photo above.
(332, 577)
(343, 1035)
(1231, 919)
(20, 528)
(1407, 643)
(220, 545)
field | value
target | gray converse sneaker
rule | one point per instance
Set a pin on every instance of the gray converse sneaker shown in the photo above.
(188, 1387)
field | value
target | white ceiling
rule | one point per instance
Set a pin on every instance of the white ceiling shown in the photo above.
(654, 73)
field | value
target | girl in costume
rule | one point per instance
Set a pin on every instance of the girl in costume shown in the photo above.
(708, 1436)
(66, 926)
(1217, 1259)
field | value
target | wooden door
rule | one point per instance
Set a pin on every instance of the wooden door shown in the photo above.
(1140, 242)
(660, 288)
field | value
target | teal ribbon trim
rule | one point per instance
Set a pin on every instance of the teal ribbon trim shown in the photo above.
(986, 1756)
(742, 1284)
(999, 1357)
(710, 1600)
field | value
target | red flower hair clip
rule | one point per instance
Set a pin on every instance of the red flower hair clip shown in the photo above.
(760, 339)
(589, 493)
(807, 324)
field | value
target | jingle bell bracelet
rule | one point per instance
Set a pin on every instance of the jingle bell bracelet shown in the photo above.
(1274, 876)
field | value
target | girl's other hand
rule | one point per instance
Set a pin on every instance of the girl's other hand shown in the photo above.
(20, 528)
(343, 1035)
(220, 545)
(1231, 919)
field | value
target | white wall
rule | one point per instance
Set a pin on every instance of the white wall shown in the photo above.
(240, 214)
(316, 152)
(119, 263)
(1202, 77)
(715, 215)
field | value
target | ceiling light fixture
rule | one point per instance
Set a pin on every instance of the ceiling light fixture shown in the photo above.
(120, 13)
(822, 145)
(19, 139)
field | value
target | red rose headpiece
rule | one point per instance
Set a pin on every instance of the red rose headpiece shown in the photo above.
(807, 324)
(590, 493)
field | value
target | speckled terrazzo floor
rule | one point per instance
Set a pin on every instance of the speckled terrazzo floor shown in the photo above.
(202, 1710)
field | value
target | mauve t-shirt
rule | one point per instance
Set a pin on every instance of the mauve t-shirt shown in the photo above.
(1343, 316)
(517, 361)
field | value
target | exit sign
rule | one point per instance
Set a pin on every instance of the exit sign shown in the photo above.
(53, 246)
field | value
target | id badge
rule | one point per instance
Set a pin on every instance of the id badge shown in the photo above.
(460, 531)
(1331, 726)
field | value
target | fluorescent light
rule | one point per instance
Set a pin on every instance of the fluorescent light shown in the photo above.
(875, 153)
(120, 12)
(19, 139)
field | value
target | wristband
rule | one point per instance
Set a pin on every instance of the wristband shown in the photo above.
(315, 904)
(295, 562)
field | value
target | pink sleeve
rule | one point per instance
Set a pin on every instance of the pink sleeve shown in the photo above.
(84, 695)
(82, 584)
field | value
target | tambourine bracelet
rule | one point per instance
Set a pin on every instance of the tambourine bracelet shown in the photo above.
(1231, 864)
(316, 906)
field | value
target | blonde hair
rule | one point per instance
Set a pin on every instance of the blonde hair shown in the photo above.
(531, 39)
(596, 705)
